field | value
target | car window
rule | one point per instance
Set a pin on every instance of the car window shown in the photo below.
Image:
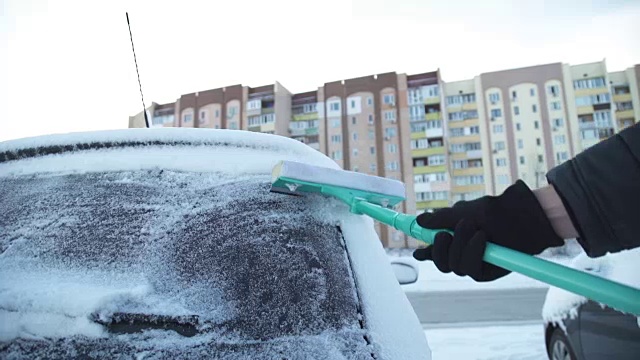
(173, 262)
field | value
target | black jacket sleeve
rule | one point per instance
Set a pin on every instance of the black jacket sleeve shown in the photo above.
(600, 188)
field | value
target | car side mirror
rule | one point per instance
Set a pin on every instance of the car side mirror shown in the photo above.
(405, 273)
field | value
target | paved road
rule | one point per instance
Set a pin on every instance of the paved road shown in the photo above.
(478, 306)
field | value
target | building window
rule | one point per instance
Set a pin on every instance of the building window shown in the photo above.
(390, 132)
(393, 148)
(468, 180)
(498, 145)
(494, 97)
(516, 110)
(355, 168)
(521, 160)
(431, 195)
(554, 90)
(233, 125)
(336, 139)
(372, 168)
(518, 127)
(540, 159)
(355, 136)
(390, 115)
(353, 104)
(372, 150)
(217, 126)
(389, 99)
(514, 95)
(187, 118)
(591, 134)
(559, 139)
(217, 113)
(461, 99)
(336, 155)
(532, 92)
(335, 123)
(369, 101)
(589, 83)
(534, 108)
(555, 105)
(334, 106)
(353, 120)
(500, 162)
(520, 144)
(372, 135)
(562, 156)
(355, 152)
(393, 166)
(370, 119)
(462, 115)
(474, 130)
(497, 129)
(558, 122)
(536, 124)
(435, 160)
(538, 142)
(496, 113)
(254, 105)
(456, 132)
(503, 179)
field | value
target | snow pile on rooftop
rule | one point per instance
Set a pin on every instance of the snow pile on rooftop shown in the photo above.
(622, 267)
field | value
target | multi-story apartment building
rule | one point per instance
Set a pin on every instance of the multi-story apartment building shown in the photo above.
(428, 151)
(447, 141)
(466, 163)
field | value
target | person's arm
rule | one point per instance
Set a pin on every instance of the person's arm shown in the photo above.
(554, 209)
(600, 190)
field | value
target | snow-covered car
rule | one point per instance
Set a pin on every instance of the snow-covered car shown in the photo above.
(580, 329)
(167, 243)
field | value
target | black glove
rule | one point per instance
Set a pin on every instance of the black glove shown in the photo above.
(514, 219)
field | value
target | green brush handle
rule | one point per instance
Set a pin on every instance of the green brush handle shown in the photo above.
(613, 294)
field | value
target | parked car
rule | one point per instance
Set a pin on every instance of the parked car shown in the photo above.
(580, 329)
(166, 243)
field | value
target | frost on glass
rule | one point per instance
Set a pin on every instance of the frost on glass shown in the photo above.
(247, 273)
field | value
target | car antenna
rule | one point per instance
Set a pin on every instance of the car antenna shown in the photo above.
(144, 108)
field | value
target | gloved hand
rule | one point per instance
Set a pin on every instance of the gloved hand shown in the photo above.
(513, 219)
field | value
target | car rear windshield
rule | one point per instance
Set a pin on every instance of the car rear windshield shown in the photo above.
(172, 264)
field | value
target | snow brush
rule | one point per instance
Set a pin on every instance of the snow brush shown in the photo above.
(376, 196)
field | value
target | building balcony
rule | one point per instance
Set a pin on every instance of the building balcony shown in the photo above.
(468, 171)
(418, 135)
(431, 100)
(587, 125)
(583, 110)
(624, 114)
(268, 110)
(463, 123)
(464, 139)
(470, 106)
(436, 132)
(433, 204)
(311, 131)
(467, 188)
(305, 116)
(429, 169)
(622, 97)
(428, 151)
(591, 91)
(432, 116)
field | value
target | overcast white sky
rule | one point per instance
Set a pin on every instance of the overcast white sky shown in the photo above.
(67, 65)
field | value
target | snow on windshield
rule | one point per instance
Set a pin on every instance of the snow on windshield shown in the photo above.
(622, 267)
(250, 264)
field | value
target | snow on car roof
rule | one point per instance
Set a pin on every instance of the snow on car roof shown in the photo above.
(622, 267)
(141, 164)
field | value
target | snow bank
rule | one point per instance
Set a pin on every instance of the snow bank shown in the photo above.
(623, 267)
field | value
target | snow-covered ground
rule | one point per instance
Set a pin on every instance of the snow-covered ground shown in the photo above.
(504, 342)
(430, 279)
